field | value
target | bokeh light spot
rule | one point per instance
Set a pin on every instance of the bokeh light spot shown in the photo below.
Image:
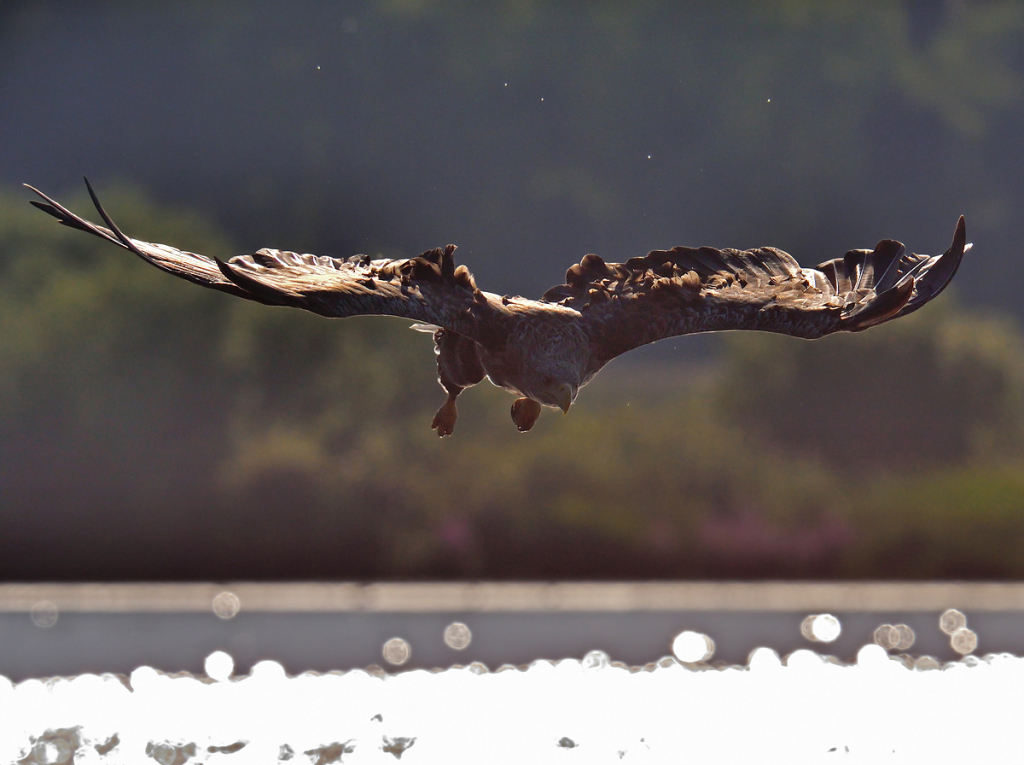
(951, 621)
(926, 662)
(691, 647)
(219, 665)
(806, 627)
(44, 614)
(906, 637)
(872, 657)
(397, 651)
(820, 628)
(763, 658)
(887, 636)
(226, 605)
(268, 672)
(144, 679)
(963, 640)
(596, 660)
(457, 636)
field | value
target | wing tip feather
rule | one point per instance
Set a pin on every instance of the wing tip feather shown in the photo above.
(918, 286)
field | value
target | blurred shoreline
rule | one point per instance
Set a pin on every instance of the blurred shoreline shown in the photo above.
(427, 597)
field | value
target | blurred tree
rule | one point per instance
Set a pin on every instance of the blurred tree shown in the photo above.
(939, 387)
(101, 415)
(151, 429)
(965, 522)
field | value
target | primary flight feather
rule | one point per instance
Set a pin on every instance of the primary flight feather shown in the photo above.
(546, 350)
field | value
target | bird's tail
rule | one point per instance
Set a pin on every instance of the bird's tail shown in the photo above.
(888, 282)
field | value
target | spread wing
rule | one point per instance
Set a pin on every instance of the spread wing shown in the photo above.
(428, 288)
(687, 290)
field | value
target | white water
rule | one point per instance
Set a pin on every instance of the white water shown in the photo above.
(806, 709)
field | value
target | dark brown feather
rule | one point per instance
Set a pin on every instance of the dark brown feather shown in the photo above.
(686, 290)
(611, 307)
(428, 288)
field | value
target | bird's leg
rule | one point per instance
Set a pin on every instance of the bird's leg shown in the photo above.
(444, 420)
(458, 367)
(525, 412)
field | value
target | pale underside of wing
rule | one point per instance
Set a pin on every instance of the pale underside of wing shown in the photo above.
(621, 305)
(690, 290)
(428, 288)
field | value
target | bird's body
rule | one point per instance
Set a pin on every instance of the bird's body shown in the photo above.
(546, 350)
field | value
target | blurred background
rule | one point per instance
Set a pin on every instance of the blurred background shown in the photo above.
(150, 429)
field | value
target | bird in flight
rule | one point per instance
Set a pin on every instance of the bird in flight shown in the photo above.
(545, 350)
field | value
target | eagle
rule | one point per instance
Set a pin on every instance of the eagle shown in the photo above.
(544, 351)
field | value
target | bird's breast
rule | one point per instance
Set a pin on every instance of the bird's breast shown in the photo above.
(499, 371)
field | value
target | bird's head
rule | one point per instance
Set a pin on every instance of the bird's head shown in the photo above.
(553, 363)
(556, 388)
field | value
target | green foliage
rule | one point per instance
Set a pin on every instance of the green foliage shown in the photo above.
(87, 335)
(149, 428)
(129, 399)
(956, 524)
(938, 387)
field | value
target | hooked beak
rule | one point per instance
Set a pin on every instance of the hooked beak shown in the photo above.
(563, 397)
